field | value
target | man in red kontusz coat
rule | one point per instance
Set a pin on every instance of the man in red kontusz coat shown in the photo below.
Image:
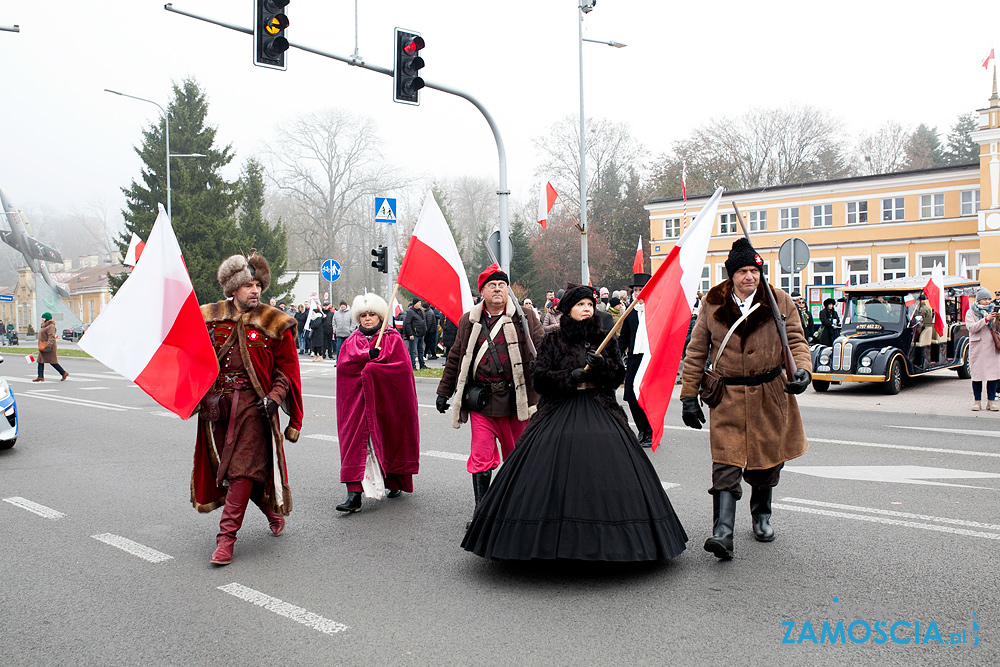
(239, 454)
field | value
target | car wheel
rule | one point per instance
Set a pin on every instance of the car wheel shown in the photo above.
(821, 385)
(965, 370)
(7, 444)
(894, 379)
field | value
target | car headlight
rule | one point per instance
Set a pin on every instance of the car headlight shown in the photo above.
(866, 361)
(824, 359)
(4, 389)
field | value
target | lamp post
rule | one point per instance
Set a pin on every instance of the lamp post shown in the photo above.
(586, 6)
(166, 124)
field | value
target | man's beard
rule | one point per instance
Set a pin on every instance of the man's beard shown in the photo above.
(245, 305)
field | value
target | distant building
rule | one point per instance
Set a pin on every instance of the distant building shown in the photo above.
(88, 288)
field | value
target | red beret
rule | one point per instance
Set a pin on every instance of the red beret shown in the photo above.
(492, 272)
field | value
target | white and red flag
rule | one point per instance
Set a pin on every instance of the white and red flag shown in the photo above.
(135, 247)
(432, 268)
(986, 63)
(546, 200)
(153, 333)
(935, 297)
(637, 262)
(668, 299)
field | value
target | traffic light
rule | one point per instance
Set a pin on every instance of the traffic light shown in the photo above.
(381, 263)
(405, 76)
(269, 42)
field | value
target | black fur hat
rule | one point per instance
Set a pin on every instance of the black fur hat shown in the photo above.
(742, 254)
(575, 293)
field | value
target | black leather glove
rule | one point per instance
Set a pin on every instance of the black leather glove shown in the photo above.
(373, 353)
(267, 407)
(579, 375)
(692, 415)
(596, 362)
(799, 382)
(442, 404)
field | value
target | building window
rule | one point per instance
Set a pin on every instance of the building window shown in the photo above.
(822, 272)
(90, 304)
(892, 209)
(857, 271)
(857, 212)
(788, 285)
(728, 223)
(823, 215)
(706, 280)
(758, 220)
(893, 267)
(970, 202)
(926, 263)
(932, 206)
(788, 218)
(671, 228)
(968, 264)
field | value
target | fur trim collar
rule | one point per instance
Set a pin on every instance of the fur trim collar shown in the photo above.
(728, 312)
(584, 330)
(267, 319)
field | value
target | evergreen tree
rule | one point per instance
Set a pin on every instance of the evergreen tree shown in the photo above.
(522, 262)
(961, 148)
(256, 232)
(923, 150)
(202, 200)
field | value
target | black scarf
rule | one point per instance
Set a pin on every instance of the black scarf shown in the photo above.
(576, 332)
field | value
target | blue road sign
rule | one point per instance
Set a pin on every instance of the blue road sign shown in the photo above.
(385, 209)
(6, 297)
(331, 270)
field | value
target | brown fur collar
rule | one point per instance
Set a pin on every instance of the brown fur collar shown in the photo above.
(269, 320)
(728, 312)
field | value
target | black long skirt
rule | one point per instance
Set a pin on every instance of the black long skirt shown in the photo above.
(577, 486)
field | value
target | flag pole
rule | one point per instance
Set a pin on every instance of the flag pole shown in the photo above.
(559, 197)
(392, 299)
(614, 330)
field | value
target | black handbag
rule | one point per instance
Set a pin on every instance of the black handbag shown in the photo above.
(474, 397)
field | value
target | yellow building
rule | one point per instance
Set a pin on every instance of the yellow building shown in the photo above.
(861, 229)
(88, 288)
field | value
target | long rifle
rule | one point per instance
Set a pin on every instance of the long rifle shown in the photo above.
(779, 319)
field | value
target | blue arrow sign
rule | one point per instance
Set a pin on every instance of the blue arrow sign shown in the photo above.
(6, 297)
(331, 270)
(385, 209)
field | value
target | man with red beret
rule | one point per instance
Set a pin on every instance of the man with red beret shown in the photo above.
(489, 368)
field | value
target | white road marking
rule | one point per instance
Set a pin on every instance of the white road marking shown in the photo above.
(957, 431)
(164, 413)
(134, 548)
(903, 515)
(92, 388)
(444, 455)
(895, 474)
(43, 391)
(892, 522)
(297, 614)
(669, 485)
(14, 378)
(40, 510)
(430, 407)
(332, 398)
(931, 450)
(100, 376)
(80, 402)
(322, 436)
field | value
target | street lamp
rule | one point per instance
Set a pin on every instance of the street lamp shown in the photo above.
(166, 123)
(586, 6)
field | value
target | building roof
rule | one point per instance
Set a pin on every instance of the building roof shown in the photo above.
(94, 278)
(834, 181)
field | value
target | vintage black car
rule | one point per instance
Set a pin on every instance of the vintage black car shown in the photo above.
(884, 340)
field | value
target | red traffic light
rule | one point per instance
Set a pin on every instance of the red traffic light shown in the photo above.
(413, 45)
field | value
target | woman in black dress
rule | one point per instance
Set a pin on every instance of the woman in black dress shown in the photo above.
(830, 320)
(578, 485)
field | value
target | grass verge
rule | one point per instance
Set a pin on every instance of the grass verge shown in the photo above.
(34, 350)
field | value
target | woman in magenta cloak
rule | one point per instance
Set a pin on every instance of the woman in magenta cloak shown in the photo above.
(376, 403)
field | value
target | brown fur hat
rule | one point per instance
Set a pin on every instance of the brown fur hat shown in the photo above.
(239, 270)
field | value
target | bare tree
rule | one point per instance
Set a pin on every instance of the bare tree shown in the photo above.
(884, 151)
(93, 222)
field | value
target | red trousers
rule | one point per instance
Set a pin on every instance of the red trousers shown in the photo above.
(486, 431)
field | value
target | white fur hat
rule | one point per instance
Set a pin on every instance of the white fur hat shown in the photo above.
(364, 303)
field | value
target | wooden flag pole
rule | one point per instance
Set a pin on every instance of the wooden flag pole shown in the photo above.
(559, 197)
(614, 330)
(378, 341)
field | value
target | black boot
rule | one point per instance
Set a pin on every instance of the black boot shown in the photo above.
(480, 485)
(646, 439)
(724, 509)
(352, 504)
(760, 512)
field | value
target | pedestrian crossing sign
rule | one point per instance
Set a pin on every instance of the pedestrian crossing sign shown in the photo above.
(385, 209)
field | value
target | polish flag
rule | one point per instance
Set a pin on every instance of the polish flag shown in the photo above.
(935, 297)
(134, 250)
(152, 331)
(637, 262)
(986, 63)
(432, 268)
(546, 199)
(669, 298)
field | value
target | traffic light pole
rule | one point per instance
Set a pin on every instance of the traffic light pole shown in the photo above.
(354, 61)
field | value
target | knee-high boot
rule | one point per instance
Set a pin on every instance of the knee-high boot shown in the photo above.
(274, 520)
(721, 542)
(480, 485)
(760, 512)
(237, 499)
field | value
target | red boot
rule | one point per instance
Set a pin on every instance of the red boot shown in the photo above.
(274, 520)
(237, 499)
